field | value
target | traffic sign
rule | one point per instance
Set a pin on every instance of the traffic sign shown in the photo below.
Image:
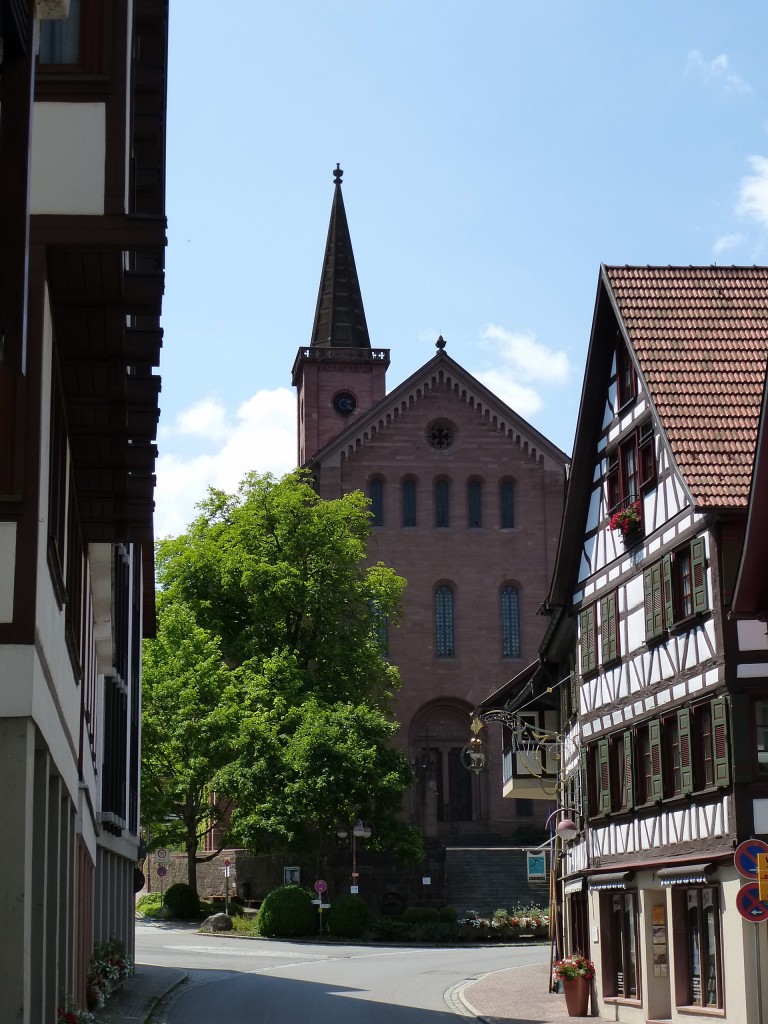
(745, 857)
(162, 853)
(354, 889)
(749, 904)
(320, 885)
(162, 871)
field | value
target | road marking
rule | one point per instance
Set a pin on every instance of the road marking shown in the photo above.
(228, 951)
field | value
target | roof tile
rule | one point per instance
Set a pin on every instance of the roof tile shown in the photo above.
(701, 339)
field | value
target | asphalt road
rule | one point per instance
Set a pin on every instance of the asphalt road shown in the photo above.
(242, 981)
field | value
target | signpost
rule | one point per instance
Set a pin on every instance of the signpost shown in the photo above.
(320, 887)
(227, 869)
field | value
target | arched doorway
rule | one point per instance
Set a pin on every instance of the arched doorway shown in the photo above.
(444, 793)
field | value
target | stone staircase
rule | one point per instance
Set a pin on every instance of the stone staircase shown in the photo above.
(486, 877)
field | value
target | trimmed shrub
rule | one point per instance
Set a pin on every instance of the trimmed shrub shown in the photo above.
(287, 912)
(441, 931)
(182, 902)
(421, 915)
(389, 928)
(149, 903)
(448, 915)
(348, 917)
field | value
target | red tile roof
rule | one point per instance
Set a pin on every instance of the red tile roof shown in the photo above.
(701, 339)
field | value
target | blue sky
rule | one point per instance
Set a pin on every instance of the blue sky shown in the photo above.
(494, 154)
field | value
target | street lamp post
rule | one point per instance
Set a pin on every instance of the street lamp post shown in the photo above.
(360, 830)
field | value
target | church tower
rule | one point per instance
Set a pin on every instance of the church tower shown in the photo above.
(339, 376)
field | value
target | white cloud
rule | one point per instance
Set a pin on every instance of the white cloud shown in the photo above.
(753, 192)
(261, 436)
(521, 363)
(726, 242)
(716, 70)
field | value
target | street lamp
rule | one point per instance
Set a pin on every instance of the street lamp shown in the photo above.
(360, 830)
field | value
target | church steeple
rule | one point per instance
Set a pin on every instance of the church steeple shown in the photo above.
(339, 316)
(338, 376)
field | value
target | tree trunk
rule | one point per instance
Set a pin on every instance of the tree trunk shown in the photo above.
(191, 845)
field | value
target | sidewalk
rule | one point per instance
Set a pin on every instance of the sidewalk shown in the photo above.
(140, 993)
(518, 994)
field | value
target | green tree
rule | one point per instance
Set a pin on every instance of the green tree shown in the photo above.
(190, 720)
(278, 575)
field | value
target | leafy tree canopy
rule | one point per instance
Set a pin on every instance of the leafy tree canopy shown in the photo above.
(274, 578)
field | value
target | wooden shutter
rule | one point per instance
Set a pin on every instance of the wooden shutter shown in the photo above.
(603, 777)
(627, 787)
(584, 782)
(720, 741)
(588, 644)
(654, 743)
(669, 591)
(609, 639)
(684, 739)
(654, 612)
(699, 575)
(574, 685)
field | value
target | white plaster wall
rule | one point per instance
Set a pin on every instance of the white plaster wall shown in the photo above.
(7, 570)
(753, 635)
(68, 158)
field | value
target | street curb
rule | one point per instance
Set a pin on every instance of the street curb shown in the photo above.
(455, 996)
(156, 1001)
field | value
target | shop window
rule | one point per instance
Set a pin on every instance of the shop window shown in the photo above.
(409, 502)
(621, 967)
(474, 504)
(510, 622)
(506, 505)
(376, 496)
(675, 589)
(444, 622)
(442, 503)
(702, 982)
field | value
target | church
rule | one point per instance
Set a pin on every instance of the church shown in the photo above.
(466, 502)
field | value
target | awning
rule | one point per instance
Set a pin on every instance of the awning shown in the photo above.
(610, 880)
(575, 885)
(685, 874)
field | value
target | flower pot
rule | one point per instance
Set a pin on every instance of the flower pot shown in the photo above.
(577, 996)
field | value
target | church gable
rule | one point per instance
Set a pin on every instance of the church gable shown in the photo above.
(438, 396)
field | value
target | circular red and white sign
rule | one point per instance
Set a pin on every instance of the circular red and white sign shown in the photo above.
(320, 885)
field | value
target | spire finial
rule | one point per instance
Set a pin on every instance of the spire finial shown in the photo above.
(440, 343)
(337, 175)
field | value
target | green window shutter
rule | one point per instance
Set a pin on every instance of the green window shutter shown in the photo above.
(609, 642)
(627, 787)
(584, 782)
(588, 645)
(654, 742)
(699, 575)
(654, 613)
(720, 741)
(574, 686)
(603, 777)
(669, 592)
(686, 762)
(565, 700)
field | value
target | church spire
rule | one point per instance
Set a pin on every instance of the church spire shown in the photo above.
(339, 316)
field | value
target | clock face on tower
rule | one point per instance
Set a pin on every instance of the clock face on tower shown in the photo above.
(345, 403)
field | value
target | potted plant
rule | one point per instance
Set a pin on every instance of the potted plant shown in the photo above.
(627, 519)
(576, 973)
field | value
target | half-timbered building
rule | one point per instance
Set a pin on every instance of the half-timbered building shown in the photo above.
(82, 239)
(659, 741)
